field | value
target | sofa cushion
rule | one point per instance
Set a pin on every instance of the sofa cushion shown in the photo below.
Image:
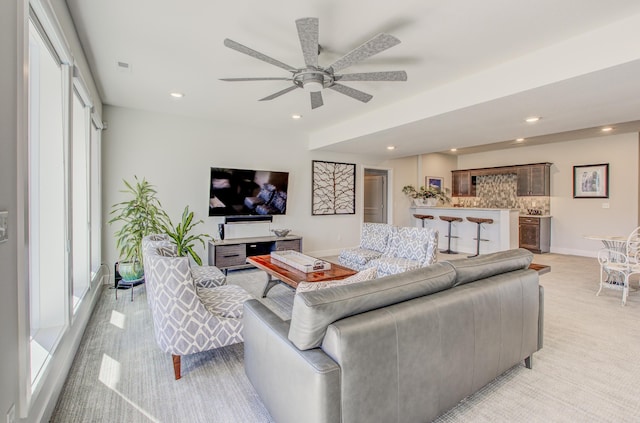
(224, 301)
(365, 275)
(375, 236)
(314, 311)
(486, 265)
(207, 276)
(391, 265)
(360, 256)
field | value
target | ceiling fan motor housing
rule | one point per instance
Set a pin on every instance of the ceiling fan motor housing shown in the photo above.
(313, 80)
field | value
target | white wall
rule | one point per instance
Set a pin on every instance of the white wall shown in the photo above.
(176, 153)
(574, 218)
(438, 165)
(10, 27)
(405, 172)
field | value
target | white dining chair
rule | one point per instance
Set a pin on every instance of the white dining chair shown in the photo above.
(617, 266)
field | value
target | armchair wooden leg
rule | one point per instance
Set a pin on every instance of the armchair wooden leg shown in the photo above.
(176, 365)
(528, 362)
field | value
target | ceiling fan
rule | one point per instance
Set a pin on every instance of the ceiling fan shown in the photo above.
(314, 78)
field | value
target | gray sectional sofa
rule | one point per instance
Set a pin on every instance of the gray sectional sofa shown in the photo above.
(402, 348)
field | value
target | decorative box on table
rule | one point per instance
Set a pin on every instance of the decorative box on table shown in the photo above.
(300, 261)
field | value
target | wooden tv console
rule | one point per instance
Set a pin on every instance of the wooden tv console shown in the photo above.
(231, 254)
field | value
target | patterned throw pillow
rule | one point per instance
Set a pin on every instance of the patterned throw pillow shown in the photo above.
(365, 275)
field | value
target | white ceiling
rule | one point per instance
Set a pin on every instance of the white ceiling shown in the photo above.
(475, 69)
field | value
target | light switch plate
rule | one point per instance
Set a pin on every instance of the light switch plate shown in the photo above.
(4, 233)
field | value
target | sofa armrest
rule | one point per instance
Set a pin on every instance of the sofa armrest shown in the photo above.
(294, 385)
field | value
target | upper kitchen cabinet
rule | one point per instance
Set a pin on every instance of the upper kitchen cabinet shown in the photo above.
(534, 180)
(463, 183)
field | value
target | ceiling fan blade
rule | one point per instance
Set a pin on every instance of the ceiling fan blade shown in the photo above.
(250, 52)
(279, 93)
(308, 34)
(351, 92)
(377, 44)
(255, 79)
(373, 76)
(316, 99)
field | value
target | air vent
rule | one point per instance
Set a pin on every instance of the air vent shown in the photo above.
(124, 67)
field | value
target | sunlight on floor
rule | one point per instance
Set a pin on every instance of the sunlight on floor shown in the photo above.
(117, 319)
(110, 369)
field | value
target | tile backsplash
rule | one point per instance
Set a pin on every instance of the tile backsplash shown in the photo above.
(500, 191)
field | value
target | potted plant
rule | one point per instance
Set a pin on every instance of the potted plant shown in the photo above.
(181, 237)
(140, 215)
(426, 196)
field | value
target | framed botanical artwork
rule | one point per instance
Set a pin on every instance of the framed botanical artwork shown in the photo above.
(333, 189)
(434, 182)
(591, 181)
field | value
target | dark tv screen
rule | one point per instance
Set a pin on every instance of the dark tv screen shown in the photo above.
(247, 192)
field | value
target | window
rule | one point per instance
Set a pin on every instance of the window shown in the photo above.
(48, 259)
(96, 203)
(80, 228)
(60, 173)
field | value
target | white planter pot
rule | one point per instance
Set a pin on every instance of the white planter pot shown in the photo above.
(428, 202)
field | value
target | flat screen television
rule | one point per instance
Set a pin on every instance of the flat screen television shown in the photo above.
(235, 192)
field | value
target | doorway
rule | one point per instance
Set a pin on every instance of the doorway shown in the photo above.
(375, 196)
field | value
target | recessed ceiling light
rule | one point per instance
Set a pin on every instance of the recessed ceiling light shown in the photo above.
(454, 149)
(533, 119)
(519, 139)
(176, 95)
(391, 147)
(607, 129)
(296, 116)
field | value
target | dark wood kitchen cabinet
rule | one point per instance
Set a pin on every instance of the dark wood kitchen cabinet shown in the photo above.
(535, 233)
(463, 183)
(534, 180)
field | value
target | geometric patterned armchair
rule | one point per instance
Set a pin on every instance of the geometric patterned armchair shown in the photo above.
(410, 248)
(374, 241)
(188, 319)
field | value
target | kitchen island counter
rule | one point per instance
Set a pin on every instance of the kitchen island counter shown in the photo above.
(502, 234)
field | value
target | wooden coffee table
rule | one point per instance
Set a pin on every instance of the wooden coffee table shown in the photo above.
(279, 272)
(540, 268)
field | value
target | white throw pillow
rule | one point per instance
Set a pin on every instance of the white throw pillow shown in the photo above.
(365, 275)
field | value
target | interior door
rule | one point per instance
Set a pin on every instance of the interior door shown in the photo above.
(375, 198)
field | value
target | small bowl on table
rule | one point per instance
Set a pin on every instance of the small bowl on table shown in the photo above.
(281, 233)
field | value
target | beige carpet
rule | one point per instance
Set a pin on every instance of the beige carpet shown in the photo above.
(588, 370)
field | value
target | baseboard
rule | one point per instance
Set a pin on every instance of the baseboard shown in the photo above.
(323, 253)
(574, 252)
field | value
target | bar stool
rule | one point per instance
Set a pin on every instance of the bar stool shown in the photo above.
(423, 217)
(479, 221)
(450, 219)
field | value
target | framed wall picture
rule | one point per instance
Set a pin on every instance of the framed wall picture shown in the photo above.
(591, 181)
(333, 188)
(434, 182)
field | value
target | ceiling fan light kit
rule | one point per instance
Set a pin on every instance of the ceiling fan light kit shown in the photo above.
(314, 78)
